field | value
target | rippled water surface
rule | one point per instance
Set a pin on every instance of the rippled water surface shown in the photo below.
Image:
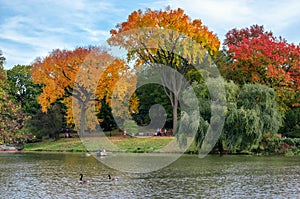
(43, 175)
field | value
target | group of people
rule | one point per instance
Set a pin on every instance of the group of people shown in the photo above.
(66, 132)
(160, 132)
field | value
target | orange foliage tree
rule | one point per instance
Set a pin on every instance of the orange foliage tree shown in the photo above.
(159, 38)
(81, 78)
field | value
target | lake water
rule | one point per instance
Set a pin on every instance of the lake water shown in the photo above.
(48, 175)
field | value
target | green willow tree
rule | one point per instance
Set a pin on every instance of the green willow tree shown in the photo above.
(253, 116)
(211, 107)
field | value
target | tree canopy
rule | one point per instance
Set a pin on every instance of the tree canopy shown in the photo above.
(22, 89)
(257, 56)
(160, 38)
(81, 78)
(254, 115)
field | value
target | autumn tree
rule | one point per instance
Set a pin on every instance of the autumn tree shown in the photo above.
(81, 78)
(2, 60)
(162, 39)
(123, 99)
(12, 118)
(257, 56)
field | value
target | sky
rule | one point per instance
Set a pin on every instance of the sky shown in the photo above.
(33, 28)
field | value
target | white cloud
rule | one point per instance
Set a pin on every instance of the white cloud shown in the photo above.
(42, 27)
(33, 28)
(281, 15)
(14, 29)
(18, 58)
(221, 16)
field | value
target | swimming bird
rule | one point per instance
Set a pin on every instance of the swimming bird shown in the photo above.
(81, 180)
(112, 179)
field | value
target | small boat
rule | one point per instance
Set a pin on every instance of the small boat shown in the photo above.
(101, 152)
(7, 149)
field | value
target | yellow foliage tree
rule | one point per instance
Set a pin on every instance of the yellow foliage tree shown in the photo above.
(158, 38)
(81, 78)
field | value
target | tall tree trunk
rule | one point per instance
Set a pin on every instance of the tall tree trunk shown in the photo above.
(220, 147)
(175, 116)
(82, 120)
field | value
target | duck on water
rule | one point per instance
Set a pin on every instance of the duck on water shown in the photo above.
(81, 179)
(112, 179)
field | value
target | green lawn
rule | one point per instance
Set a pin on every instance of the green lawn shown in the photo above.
(129, 144)
(135, 144)
(63, 144)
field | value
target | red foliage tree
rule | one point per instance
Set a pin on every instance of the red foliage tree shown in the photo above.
(257, 56)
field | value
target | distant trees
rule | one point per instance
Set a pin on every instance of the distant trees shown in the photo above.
(49, 124)
(22, 89)
(23, 92)
(264, 70)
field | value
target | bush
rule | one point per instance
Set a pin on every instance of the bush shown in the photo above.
(291, 127)
(289, 153)
(289, 141)
(285, 146)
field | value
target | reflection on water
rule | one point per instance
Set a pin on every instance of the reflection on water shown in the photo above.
(43, 175)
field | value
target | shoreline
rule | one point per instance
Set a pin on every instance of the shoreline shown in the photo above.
(120, 144)
(124, 152)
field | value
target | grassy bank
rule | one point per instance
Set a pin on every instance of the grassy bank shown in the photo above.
(64, 144)
(287, 147)
(128, 144)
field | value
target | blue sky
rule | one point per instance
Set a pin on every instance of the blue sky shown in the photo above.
(33, 28)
